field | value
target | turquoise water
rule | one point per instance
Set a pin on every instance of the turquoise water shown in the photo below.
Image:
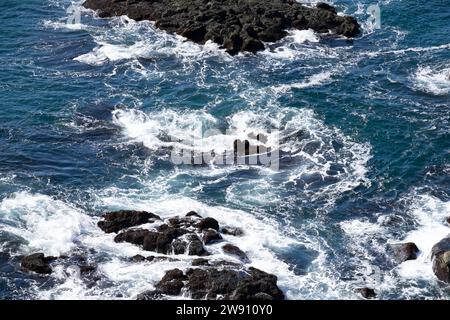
(90, 111)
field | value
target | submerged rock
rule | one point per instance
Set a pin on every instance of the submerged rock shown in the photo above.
(367, 293)
(235, 25)
(405, 251)
(119, 220)
(38, 263)
(232, 231)
(441, 259)
(213, 283)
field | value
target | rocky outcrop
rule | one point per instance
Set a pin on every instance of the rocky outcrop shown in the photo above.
(235, 25)
(119, 220)
(214, 283)
(441, 259)
(38, 263)
(405, 251)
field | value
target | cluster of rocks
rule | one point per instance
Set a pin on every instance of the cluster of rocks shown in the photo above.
(190, 234)
(214, 283)
(177, 235)
(237, 26)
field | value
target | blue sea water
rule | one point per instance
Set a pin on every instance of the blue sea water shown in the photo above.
(90, 112)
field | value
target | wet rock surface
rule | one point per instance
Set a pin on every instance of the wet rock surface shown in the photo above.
(235, 25)
(116, 221)
(38, 263)
(214, 283)
(441, 259)
(405, 251)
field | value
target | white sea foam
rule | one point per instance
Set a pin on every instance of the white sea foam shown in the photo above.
(430, 214)
(46, 224)
(432, 80)
(312, 81)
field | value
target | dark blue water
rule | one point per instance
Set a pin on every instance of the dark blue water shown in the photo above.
(91, 112)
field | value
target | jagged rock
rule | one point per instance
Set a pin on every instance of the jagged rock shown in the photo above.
(38, 263)
(235, 251)
(367, 293)
(211, 236)
(212, 283)
(232, 231)
(119, 220)
(234, 25)
(208, 223)
(405, 251)
(440, 254)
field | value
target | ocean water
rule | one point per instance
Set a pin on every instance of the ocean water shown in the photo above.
(90, 111)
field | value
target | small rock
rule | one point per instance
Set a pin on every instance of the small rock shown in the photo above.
(200, 262)
(193, 214)
(138, 258)
(208, 223)
(367, 293)
(195, 246)
(211, 236)
(232, 231)
(405, 251)
(235, 251)
(38, 263)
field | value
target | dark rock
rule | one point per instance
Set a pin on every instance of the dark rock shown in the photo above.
(232, 231)
(367, 293)
(235, 25)
(208, 223)
(200, 262)
(119, 220)
(195, 246)
(193, 214)
(211, 236)
(259, 285)
(138, 258)
(448, 220)
(136, 236)
(171, 283)
(149, 295)
(405, 251)
(179, 246)
(440, 254)
(38, 263)
(235, 251)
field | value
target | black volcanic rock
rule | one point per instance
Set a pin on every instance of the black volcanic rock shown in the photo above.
(213, 283)
(38, 263)
(235, 251)
(235, 25)
(116, 221)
